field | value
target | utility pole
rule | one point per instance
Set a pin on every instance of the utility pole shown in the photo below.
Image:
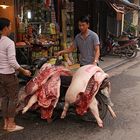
(136, 16)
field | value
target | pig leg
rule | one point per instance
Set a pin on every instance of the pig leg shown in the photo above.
(32, 100)
(66, 106)
(94, 109)
(113, 114)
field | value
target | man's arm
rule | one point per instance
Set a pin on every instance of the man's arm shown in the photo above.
(68, 50)
(97, 54)
(13, 62)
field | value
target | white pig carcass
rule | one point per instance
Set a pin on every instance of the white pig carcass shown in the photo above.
(78, 90)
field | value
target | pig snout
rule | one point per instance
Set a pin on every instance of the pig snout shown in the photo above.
(22, 94)
(21, 99)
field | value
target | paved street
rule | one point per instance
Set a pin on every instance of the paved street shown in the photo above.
(126, 97)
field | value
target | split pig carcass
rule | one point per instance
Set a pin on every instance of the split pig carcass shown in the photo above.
(87, 82)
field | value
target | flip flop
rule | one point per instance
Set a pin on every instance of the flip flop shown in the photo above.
(17, 128)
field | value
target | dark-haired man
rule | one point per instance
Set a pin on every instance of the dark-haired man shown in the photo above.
(87, 42)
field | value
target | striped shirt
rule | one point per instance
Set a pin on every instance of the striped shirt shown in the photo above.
(8, 62)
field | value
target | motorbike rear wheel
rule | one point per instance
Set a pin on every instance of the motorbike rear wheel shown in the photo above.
(102, 106)
(131, 52)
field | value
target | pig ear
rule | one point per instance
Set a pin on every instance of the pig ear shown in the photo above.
(105, 83)
(21, 92)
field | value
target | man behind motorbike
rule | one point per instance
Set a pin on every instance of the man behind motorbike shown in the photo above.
(87, 42)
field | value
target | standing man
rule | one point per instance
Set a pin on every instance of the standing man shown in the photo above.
(87, 42)
(8, 79)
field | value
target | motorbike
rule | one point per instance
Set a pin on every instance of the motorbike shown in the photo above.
(104, 101)
(124, 46)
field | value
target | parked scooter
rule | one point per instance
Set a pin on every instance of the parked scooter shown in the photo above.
(124, 46)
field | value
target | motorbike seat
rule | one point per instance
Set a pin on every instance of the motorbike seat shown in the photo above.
(65, 81)
(123, 42)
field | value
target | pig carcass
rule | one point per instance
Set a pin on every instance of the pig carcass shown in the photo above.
(46, 71)
(45, 89)
(82, 90)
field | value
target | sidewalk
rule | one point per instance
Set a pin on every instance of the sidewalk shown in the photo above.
(109, 62)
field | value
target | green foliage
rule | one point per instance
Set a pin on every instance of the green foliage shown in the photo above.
(129, 27)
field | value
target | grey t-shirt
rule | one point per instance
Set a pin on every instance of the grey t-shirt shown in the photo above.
(86, 47)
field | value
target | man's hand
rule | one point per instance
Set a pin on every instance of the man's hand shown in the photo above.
(24, 71)
(57, 53)
(27, 73)
(94, 63)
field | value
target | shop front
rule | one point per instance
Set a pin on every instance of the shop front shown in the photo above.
(43, 25)
(40, 27)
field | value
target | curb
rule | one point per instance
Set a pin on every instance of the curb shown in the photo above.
(108, 68)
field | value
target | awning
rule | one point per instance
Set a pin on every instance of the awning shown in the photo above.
(130, 5)
(121, 5)
(115, 6)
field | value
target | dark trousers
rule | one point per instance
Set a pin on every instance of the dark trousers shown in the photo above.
(8, 93)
